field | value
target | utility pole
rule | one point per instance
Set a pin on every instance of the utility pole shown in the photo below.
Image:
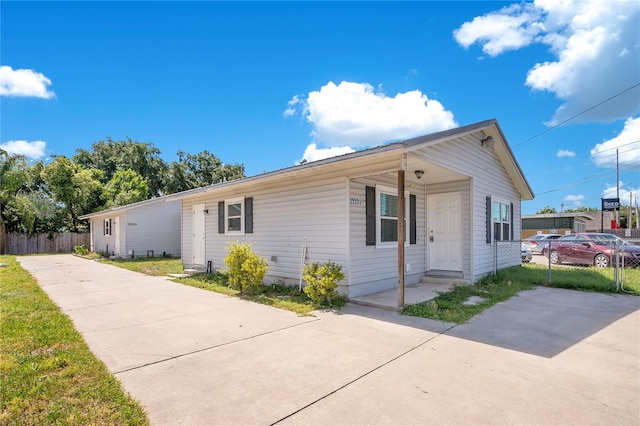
(617, 189)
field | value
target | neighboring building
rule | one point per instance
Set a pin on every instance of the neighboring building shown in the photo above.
(146, 228)
(556, 223)
(462, 188)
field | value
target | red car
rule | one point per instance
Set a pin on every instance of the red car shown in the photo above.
(592, 249)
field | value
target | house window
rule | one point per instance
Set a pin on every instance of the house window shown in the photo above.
(387, 216)
(501, 218)
(106, 227)
(234, 209)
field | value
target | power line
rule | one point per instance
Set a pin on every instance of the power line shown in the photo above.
(577, 115)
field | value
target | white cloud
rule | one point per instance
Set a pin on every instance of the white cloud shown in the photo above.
(356, 115)
(510, 28)
(611, 191)
(33, 150)
(575, 199)
(628, 145)
(313, 153)
(565, 153)
(595, 45)
(24, 82)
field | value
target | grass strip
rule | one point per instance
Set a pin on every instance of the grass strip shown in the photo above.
(48, 374)
(452, 307)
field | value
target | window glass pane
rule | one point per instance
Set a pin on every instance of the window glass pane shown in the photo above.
(505, 213)
(496, 211)
(505, 232)
(497, 235)
(388, 205)
(388, 230)
(234, 210)
(235, 224)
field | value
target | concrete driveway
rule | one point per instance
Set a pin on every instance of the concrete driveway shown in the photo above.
(192, 357)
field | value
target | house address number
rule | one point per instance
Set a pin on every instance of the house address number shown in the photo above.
(355, 202)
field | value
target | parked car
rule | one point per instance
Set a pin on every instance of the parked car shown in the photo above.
(525, 253)
(537, 243)
(592, 249)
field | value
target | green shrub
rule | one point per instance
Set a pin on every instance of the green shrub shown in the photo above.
(322, 281)
(245, 269)
(82, 250)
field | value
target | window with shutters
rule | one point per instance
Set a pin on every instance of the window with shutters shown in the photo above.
(106, 227)
(501, 219)
(387, 216)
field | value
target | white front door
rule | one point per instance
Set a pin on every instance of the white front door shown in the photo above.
(445, 231)
(198, 234)
(116, 234)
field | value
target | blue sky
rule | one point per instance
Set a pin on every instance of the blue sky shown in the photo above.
(268, 84)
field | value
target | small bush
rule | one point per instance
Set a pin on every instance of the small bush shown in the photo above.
(322, 281)
(245, 269)
(81, 250)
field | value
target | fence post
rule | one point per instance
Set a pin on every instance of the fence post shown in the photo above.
(549, 259)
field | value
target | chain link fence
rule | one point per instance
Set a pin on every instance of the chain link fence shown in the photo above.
(588, 251)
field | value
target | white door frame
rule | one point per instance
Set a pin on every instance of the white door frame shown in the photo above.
(199, 233)
(445, 231)
(116, 234)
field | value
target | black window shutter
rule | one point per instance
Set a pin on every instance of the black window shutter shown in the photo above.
(370, 205)
(413, 230)
(488, 220)
(221, 217)
(110, 227)
(511, 223)
(248, 215)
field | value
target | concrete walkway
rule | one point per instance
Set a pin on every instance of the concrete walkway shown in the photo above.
(192, 357)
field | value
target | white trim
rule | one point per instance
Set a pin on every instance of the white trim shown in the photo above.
(501, 201)
(227, 203)
(391, 191)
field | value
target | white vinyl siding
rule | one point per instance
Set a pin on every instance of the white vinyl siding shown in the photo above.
(315, 217)
(153, 227)
(142, 229)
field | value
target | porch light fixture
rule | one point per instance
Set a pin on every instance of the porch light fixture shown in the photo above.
(419, 173)
(489, 142)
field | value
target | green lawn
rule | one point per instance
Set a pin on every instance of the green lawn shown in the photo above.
(149, 265)
(48, 375)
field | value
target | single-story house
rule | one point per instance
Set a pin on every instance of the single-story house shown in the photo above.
(555, 223)
(462, 190)
(145, 229)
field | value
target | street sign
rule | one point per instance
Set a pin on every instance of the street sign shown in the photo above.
(610, 204)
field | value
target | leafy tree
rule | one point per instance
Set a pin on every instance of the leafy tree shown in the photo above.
(78, 189)
(14, 177)
(583, 209)
(125, 187)
(198, 170)
(111, 156)
(546, 209)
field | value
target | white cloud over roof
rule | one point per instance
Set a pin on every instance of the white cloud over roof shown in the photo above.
(314, 153)
(33, 150)
(356, 115)
(24, 83)
(628, 145)
(595, 45)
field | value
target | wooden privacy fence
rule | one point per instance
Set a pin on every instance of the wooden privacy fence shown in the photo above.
(45, 243)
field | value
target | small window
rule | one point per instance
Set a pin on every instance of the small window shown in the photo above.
(501, 218)
(387, 216)
(235, 222)
(106, 227)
